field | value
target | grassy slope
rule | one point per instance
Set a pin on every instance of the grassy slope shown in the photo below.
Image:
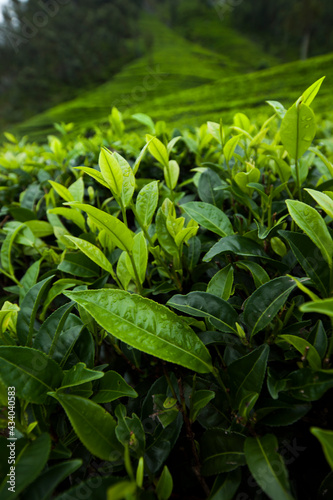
(179, 65)
(246, 93)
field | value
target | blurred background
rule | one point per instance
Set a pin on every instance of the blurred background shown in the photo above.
(183, 60)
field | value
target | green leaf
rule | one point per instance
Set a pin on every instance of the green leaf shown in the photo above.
(310, 93)
(222, 282)
(93, 253)
(123, 273)
(230, 147)
(308, 385)
(62, 191)
(222, 451)
(140, 471)
(320, 307)
(77, 190)
(121, 490)
(306, 253)
(6, 249)
(165, 485)
(111, 172)
(70, 214)
(29, 279)
(40, 228)
(226, 485)
(278, 108)
(283, 168)
(78, 264)
(205, 305)
(130, 432)
(48, 335)
(28, 465)
(27, 314)
(305, 348)
(79, 374)
(119, 233)
(267, 466)
(326, 440)
(145, 325)
(265, 303)
(157, 149)
(164, 237)
(199, 400)
(259, 274)
(140, 256)
(94, 426)
(33, 372)
(146, 203)
(139, 158)
(324, 201)
(278, 413)
(57, 288)
(112, 387)
(95, 174)
(47, 482)
(145, 120)
(318, 338)
(128, 180)
(309, 220)
(210, 217)
(208, 181)
(171, 174)
(247, 374)
(239, 245)
(298, 129)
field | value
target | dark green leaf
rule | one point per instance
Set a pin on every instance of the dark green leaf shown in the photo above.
(94, 426)
(48, 481)
(222, 451)
(309, 257)
(32, 371)
(27, 314)
(112, 387)
(265, 303)
(247, 373)
(205, 305)
(210, 217)
(29, 464)
(267, 466)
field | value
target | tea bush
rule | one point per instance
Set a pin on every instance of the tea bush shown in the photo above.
(166, 315)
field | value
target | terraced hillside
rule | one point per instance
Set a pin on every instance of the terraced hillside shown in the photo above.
(246, 92)
(175, 65)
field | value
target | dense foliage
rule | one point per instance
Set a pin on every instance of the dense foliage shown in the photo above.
(166, 315)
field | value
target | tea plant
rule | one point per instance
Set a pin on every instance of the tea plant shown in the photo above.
(166, 319)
